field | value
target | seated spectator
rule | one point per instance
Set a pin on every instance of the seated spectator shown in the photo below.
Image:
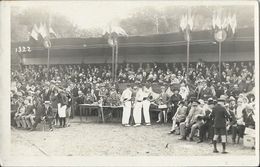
(207, 126)
(162, 102)
(29, 112)
(19, 113)
(179, 116)
(193, 121)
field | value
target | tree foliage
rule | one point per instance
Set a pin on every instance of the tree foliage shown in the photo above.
(142, 21)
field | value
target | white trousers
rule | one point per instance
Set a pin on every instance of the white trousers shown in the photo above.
(137, 112)
(146, 107)
(126, 112)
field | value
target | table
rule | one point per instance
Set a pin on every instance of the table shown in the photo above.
(91, 106)
(99, 108)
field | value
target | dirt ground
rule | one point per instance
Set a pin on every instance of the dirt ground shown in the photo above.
(111, 139)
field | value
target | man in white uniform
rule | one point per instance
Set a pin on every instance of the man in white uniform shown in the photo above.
(137, 112)
(146, 103)
(126, 100)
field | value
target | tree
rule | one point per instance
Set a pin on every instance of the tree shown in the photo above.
(22, 21)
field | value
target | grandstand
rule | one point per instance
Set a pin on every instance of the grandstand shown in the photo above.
(159, 48)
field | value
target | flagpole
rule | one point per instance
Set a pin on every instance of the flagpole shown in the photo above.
(48, 65)
(48, 29)
(219, 60)
(113, 61)
(116, 60)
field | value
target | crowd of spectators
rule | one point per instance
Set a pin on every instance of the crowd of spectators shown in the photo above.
(84, 83)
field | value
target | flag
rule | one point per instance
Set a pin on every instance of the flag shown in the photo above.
(43, 30)
(214, 21)
(183, 22)
(190, 22)
(35, 32)
(52, 33)
(233, 23)
(118, 31)
(112, 32)
(218, 22)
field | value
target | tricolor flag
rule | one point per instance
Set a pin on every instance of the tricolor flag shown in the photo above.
(52, 33)
(35, 32)
(233, 23)
(112, 32)
(43, 31)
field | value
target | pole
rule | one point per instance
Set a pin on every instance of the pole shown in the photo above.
(113, 61)
(116, 61)
(48, 65)
(188, 50)
(219, 60)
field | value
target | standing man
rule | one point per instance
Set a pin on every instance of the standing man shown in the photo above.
(48, 114)
(137, 111)
(219, 115)
(146, 103)
(126, 100)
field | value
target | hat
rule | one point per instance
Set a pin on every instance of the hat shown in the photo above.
(80, 92)
(19, 94)
(175, 89)
(113, 87)
(201, 101)
(162, 87)
(210, 102)
(195, 102)
(47, 102)
(231, 98)
(181, 102)
(209, 99)
(221, 99)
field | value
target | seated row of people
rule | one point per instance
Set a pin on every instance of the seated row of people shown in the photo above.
(199, 116)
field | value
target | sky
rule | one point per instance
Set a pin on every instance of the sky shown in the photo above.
(94, 13)
(88, 14)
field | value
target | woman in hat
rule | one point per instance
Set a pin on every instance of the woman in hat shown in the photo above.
(174, 100)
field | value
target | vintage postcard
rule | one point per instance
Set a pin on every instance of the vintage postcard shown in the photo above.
(129, 83)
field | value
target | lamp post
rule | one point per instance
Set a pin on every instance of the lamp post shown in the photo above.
(186, 25)
(221, 25)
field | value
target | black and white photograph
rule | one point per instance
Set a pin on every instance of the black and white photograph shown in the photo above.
(132, 79)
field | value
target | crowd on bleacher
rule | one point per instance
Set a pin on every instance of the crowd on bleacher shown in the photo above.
(185, 99)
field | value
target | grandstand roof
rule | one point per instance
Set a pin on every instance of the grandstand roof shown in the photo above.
(157, 40)
(158, 44)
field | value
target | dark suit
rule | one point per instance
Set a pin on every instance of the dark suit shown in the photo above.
(207, 126)
(219, 115)
(175, 98)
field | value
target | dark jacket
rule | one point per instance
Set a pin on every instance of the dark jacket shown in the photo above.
(219, 115)
(175, 98)
(48, 112)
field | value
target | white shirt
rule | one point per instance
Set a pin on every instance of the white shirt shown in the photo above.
(239, 111)
(146, 91)
(127, 94)
(139, 95)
